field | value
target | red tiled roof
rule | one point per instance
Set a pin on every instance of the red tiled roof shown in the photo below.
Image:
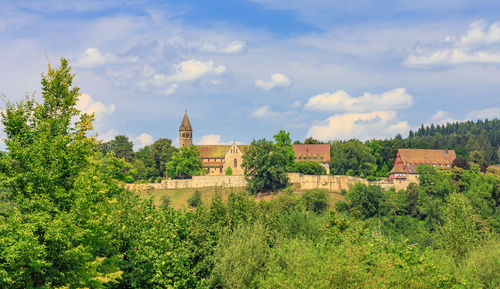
(312, 150)
(426, 156)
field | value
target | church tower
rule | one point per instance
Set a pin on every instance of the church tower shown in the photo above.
(185, 132)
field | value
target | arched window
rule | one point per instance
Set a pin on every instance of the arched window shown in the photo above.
(235, 163)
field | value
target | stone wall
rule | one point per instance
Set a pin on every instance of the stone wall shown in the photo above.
(307, 182)
(195, 182)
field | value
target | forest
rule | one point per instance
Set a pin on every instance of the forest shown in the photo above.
(66, 220)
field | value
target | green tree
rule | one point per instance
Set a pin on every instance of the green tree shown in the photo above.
(282, 139)
(121, 147)
(61, 231)
(365, 200)
(185, 163)
(265, 165)
(229, 171)
(458, 232)
(352, 158)
(162, 151)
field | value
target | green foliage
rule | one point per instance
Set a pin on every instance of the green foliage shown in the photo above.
(229, 171)
(265, 166)
(283, 140)
(316, 200)
(481, 268)
(365, 201)
(308, 168)
(241, 258)
(185, 164)
(458, 232)
(195, 200)
(61, 231)
(352, 158)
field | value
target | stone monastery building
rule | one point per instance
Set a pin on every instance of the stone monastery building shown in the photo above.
(407, 161)
(217, 158)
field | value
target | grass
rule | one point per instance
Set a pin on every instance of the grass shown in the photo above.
(178, 197)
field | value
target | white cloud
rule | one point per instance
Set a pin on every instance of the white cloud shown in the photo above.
(489, 113)
(171, 89)
(230, 48)
(264, 112)
(441, 117)
(211, 139)
(142, 140)
(341, 101)
(277, 80)
(88, 105)
(376, 124)
(193, 69)
(109, 135)
(296, 103)
(478, 45)
(92, 57)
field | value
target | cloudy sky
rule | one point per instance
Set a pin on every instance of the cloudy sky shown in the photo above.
(246, 69)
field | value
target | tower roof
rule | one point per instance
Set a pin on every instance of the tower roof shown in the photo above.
(185, 125)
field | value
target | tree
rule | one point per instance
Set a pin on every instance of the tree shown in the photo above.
(61, 232)
(310, 140)
(229, 171)
(121, 147)
(145, 156)
(365, 200)
(162, 151)
(477, 157)
(282, 139)
(461, 163)
(309, 168)
(265, 165)
(458, 232)
(185, 163)
(352, 158)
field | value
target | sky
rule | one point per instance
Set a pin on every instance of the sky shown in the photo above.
(243, 70)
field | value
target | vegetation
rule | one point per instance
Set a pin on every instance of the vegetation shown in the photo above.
(67, 222)
(308, 168)
(265, 166)
(185, 163)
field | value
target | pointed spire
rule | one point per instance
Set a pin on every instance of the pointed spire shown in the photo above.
(185, 125)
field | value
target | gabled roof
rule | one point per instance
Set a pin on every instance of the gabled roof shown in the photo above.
(426, 156)
(185, 125)
(317, 150)
(213, 151)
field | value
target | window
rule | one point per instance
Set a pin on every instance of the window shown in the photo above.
(235, 163)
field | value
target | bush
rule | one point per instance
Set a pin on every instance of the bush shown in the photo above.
(195, 200)
(308, 168)
(316, 200)
(365, 200)
(229, 171)
(165, 201)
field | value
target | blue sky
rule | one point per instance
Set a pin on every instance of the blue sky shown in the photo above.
(246, 69)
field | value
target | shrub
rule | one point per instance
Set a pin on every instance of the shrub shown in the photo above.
(308, 168)
(316, 200)
(165, 201)
(229, 171)
(195, 200)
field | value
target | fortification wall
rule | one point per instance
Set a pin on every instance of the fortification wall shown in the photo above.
(195, 182)
(307, 182)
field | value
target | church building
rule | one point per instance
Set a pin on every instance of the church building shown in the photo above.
(217, 159)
